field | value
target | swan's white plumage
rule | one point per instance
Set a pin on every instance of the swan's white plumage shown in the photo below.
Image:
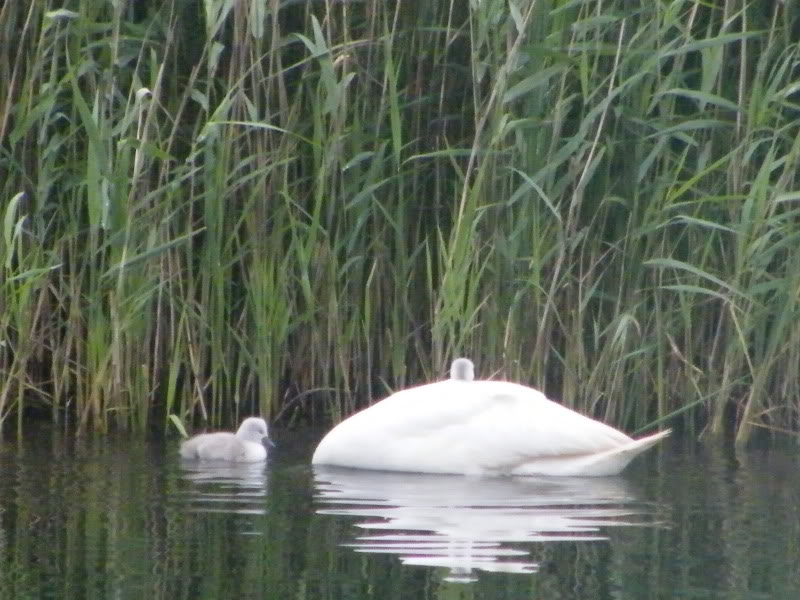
(246, 445)
(478, 427)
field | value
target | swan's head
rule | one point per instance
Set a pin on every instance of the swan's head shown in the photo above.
(462, 369)
(253, 429)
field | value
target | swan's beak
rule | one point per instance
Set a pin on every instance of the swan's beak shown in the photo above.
(268, 442)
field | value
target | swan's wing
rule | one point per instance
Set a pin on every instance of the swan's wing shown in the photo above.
(519, 425)
(496, 426)
(189, 447)
(211, 446)
(538, 426)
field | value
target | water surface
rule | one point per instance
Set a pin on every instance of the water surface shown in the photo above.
(124, 518)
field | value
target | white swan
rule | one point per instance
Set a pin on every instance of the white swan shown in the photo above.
(246, 445)
(469, 427)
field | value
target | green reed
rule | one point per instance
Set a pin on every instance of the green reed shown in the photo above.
(213, 209)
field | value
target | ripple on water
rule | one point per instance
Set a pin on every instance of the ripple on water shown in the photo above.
(224, 487)
(467, 524)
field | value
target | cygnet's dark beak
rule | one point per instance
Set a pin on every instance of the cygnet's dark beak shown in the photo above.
(265, 440)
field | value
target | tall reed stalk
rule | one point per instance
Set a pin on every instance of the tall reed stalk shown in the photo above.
(218, 208)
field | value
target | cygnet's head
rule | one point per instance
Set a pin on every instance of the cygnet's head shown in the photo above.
(462, 369)
(253, 429)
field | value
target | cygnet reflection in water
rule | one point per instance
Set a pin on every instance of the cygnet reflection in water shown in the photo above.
(225, 487)
(467, 524)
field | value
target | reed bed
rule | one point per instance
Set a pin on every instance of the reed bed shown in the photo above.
(217, 208)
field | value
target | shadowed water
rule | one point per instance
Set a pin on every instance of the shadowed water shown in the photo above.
(121, 518)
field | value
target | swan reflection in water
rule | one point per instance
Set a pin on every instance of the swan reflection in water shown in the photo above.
(465, 523)
(225, 487)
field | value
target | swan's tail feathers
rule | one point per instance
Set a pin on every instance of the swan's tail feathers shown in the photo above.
(599, 464)
(189, 448)
(651, 440)
(612, 462)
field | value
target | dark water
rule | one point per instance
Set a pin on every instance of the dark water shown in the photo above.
(119, 518)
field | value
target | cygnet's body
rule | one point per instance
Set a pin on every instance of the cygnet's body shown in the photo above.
(246, 445)
(463, 426)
